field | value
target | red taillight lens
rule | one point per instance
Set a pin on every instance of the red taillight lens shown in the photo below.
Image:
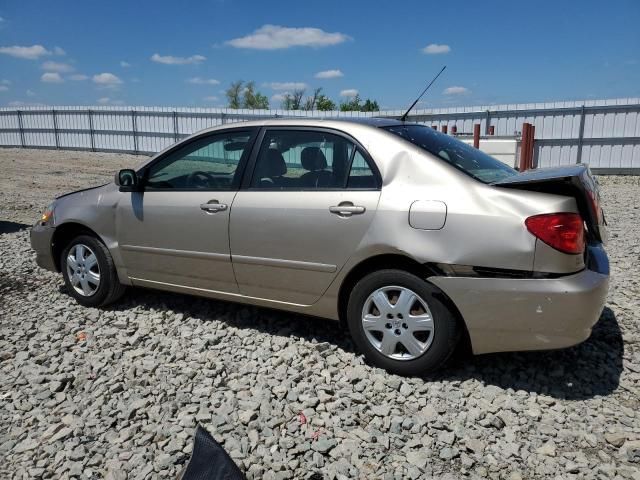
(562, 231)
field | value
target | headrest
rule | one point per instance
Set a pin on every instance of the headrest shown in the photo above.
(273, 166)
(313, 159)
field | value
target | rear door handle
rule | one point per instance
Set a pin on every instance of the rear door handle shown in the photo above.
(346, 209)
(213, 206)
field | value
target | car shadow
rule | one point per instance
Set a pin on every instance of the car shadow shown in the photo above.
(11, 227)
(576, 373)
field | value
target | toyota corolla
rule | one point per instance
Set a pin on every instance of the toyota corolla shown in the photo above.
(410, 237)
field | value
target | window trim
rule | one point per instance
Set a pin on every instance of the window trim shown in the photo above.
(240, 169)
(251, 164)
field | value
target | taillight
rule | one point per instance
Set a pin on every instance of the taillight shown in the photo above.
(562, 231)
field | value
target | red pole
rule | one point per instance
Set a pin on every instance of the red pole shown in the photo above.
(444, 129)
(492, 130)
(524, 147)
(476, 135)
(454, 130)
(532, 133)
(435, 127)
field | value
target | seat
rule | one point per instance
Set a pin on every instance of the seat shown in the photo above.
(270, 170)
(318, 176)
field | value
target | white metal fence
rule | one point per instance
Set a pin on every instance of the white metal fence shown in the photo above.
(603, 133)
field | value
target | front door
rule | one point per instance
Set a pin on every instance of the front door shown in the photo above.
(310, 201)
(176, 232)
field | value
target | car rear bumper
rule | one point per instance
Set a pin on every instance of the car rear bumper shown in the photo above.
(41, 237)
(531, 314)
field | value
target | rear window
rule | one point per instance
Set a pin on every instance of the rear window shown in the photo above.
(462, 156)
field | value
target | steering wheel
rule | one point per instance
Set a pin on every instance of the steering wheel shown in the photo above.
(200, 179)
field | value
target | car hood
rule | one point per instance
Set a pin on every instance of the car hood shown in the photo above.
(81, 190)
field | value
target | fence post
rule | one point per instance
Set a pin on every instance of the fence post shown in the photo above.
(435, 127)
(487, 125)
(492, 130)
(21, 128)
(454, 130)
(223, 118)
(580, 135)
(532, 140)
(524, 147)
(175, 126)
(476, 135)
(55, 127)
(93, 142)
(135, 132)
(445, 128)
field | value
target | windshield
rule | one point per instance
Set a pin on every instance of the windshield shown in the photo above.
(462, 156)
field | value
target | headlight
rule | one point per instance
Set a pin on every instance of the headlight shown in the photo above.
(47, 216)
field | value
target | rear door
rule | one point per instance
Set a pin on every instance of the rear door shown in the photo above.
(176, 232)
(301, 214)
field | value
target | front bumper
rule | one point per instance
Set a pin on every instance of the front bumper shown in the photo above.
(41, 241)
(530, 314)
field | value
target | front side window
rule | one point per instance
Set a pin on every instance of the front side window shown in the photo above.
(470, 160)
(209, 163)
(306, 159)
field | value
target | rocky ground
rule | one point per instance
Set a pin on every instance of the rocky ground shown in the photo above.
(116, 393)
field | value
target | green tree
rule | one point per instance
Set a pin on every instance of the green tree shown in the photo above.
(233, 94)
(324, 103)
(370, 106)
(253, 99)
(352, 105)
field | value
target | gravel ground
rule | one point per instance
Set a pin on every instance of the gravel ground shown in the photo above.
(116, 393)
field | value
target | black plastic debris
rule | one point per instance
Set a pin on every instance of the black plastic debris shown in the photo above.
(209, 461)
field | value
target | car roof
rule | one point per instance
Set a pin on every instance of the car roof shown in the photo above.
(375, 122)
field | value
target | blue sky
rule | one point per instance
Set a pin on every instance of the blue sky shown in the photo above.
(186, 53)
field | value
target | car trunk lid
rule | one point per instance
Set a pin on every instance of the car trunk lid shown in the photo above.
(574, 180)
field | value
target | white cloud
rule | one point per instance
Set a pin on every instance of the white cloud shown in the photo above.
(203, 81)
(33, 52)
(329, 74)
(3, 88)
(57, 67)
(5, 82)
(456, 91)
(78, 77)
(171, 60)
(286, 85)
(349, 92)
(51, 77)
(59, 51)
(211, 98)
(279, 97)
(435, 49)
(106, 79)
(30, 93)
(274, 37)
(109, 101)
(124, 64)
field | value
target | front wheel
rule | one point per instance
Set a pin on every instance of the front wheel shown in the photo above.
(89, 272)
(400, 323)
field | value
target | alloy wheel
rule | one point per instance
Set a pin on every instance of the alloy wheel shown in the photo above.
(398, 323)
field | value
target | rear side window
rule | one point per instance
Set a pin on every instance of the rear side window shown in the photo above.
(470, 160)
(310, 159)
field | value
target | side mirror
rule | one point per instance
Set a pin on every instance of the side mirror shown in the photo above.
(128, 181)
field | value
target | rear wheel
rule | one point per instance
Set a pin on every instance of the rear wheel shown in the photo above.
(89, 272)
(400, 323)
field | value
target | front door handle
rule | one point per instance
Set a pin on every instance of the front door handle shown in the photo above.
(346, 209)
(213, 206)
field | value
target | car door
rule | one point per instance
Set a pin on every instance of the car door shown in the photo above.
(294, 224)
(176, 232)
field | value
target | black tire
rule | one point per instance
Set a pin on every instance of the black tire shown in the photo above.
(109, 289)
(446, 332)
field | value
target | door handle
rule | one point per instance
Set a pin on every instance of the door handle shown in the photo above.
(213, 206)
(346, 209)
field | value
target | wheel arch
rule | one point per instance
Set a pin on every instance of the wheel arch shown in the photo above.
(63, 234)
(396, 262)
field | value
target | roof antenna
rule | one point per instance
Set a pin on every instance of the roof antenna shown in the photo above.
(404, 117)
